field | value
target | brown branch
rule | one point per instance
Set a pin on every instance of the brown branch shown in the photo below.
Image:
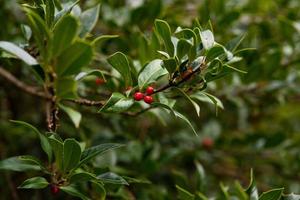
(21, 85)
(172, 84)
(86, 102)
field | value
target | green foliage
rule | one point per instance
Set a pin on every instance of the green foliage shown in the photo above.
(199, 56)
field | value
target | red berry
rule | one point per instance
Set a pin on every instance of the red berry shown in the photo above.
(99, 81)
(54, 189)
(148, 99)
(149, 90)
(138, 96)
(207, 143)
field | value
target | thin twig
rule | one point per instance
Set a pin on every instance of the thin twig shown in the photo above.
(23, 86)
(86, 102)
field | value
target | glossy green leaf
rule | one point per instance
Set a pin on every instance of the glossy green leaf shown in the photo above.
(214, 52)
(150, 73)
(89, 19)
(99, 40)
(252, 189)
(82, 177)
(114, 98)
(225, 193)
(43, 139)
(66, 88)
(183, 47)
(39, 29)
(27, 32)
(170, 64)
(205, 97)
(71, 154)
(96, 73)
(72, 59)
(196, 106)
(17, 164)
(99, 189)
(64, 34)
(58, 148)
(94, 151)
(207, 39)
(181, 116)
(34, 183)
(49, 12)
(112, 178)
(120, 62)
(274, 194)
(33, 160)
(18, 52)
(74, 115)
(70, 189)
(164, 30)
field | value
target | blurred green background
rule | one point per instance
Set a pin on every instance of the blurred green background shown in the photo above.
(259, 127)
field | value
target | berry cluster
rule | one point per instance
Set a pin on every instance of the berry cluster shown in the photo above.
(147, 96)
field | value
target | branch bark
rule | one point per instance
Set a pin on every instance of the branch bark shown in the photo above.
(23, 86)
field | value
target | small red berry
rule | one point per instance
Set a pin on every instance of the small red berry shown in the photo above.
(207, 143)
(54, 189)
(99, 81)
(149, 90)
(138, 96)
(148, 99)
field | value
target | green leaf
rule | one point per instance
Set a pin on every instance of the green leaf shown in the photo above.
(207, 39)
(214, 52)
(71, 154)
(82, 177)
(64, 34)
(184, 194)
(70, 189)
(112, 178)
(274, 194)
(181, 116)
(99, 189)
(225, 193)
(241, 193)
(58, 148)
(150, 73)
(97, 73)
(43, 139)
(39, 29)
(234, 43)
(164, 30)
(17, 164)
(92, 152)
(34, 183)
(170, 64)
(27, 32)
(205, 97)
(200, 174)
(120, 62)
(49, 12)
(74, 115)
(88, 20)
(117, 103)
(18, 52)
(72, 59)
(196, 106)
(99, 40)
(66, 88)
(167, 107)
(33, 160)
(251, 189)
(183, 47)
